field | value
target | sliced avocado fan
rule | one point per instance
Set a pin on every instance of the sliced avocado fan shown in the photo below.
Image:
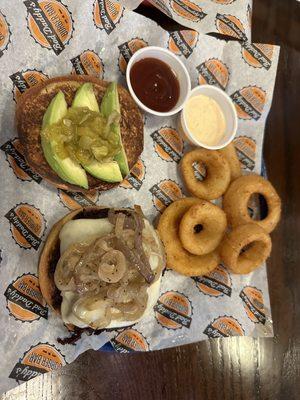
(67, 169)
(85, 97)
(108, 171)
(110, 103)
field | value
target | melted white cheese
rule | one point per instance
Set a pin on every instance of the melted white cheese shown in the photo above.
(77, 230)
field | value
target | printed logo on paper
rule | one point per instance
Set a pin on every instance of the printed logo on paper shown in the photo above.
(15, 157)
(24, 299)
(168, 144)
(130, 340)
(75, 200)
(253, 302)
(224, 326)
(4, 34)
(188, 10)
(136, 176)
(258, 55)
(183, 42)
(27, 225)
(164, 193)
(88, 63)
(161, 5)
(199, 170)
(50, 23)
(231, 26)
(173, 310)
(43, 357)
(107, 14)
(127, 49)
(213, 72)
(246, 151)
(26, 79)
(216, 284)
(249, 102)
(224, 2)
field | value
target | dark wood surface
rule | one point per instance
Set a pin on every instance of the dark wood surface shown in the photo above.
(235, 368)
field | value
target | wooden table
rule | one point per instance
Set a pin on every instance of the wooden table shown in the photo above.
(233, 368)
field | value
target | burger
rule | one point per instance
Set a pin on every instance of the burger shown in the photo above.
(101, 267)
(80, 133)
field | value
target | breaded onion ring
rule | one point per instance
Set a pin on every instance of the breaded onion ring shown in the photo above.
(245, 248)
(177, 257)
(235, 201)
(202, 227)
(217, 173)
(229, 153)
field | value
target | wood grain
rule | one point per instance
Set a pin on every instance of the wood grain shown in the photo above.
(233, 368)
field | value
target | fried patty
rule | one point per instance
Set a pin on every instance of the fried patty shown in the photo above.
(29, 116)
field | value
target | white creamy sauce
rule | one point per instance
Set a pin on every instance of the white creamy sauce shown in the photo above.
(82, 229)
(205, 119)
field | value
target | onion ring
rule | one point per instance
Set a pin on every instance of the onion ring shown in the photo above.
(255, 242)
(178, 258)
(217, 173)
(202, 227)
(229, 153)
(235, 202)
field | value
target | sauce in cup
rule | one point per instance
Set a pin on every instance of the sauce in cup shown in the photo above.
(155, 84)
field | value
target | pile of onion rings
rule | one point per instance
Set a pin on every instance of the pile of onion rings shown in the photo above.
(195, 232)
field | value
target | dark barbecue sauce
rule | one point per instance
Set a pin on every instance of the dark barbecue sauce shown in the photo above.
(155, 84)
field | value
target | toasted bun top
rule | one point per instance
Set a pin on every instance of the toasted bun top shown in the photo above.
(29, 115)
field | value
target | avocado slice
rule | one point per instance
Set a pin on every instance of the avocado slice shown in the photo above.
(85, 97)
(110, 103)
(66, 169)
(110, 171)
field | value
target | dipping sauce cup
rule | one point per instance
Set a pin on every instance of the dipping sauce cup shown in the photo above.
(226, 107)
(178, 69)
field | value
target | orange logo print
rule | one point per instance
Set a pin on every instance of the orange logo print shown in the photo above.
(15, 157)
(183, 42)
(24, 80)
(230, 26)
(173, 310)
(136, 176)
(164, 193)
(224, 327)
(88, 63)
(224, 2)
(107, 14)
(27, 225)
(258, 55)
(75, 200)
(24, 299)
(127, 49)
(50, 23)
(246, 151)
(168, 144)
(254, 304)
(188, 10)
(130, 340)
(39, 359)
(213, 72)
(4, 34)
(216, 283)
(249, 102)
